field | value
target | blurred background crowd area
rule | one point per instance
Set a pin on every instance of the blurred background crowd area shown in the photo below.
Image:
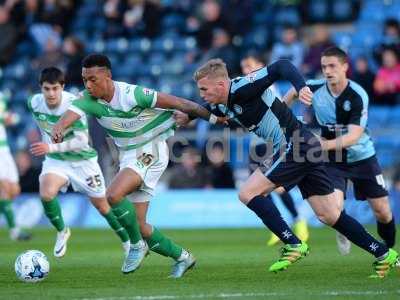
(159, 43)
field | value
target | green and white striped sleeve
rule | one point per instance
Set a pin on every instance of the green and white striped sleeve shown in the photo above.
(144, 97)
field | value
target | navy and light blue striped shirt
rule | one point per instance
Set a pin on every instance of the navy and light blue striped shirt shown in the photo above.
(334, 114)
(258, 109)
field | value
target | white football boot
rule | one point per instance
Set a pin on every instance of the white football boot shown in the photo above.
(184, 263)
(136, 254)
(60, 248)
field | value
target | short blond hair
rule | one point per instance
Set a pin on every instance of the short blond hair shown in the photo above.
(214, 68)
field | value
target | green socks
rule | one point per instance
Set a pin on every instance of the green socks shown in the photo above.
(52, 210)
(160, 244)
(6, 209)
(116, 226)
(126, 215)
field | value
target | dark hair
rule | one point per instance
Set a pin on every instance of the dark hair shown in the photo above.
(96, 60)
(52, 75)
(337, 52)
(254, 55)
(391, 22)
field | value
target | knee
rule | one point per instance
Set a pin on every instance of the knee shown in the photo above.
(102, 207)
(329, 217)
(113, 197)
(245, 196)
(48, 193)
(383, 213)
(16, 190)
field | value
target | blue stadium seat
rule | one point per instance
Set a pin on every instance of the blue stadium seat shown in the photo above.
(146, 82)
(378, 116)
(342, 10)
(342, 39)
(287, 16)
(119, 45)
(257, 39)
(318, 10)
(173, 21)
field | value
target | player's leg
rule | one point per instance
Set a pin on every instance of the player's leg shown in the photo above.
(8, 190)
(157, 241)
(342, 242)
(354, 231)
(385, 219)
(373, 189)
(101, 204)
(288, 202)
(251, 194)
(87, 178)
(50, 185)
(16, 233)
(300, 227)
(124, 183)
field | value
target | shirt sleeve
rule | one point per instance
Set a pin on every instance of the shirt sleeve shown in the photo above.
(359, 111)
(254, 84)
(78, 142)
(315, 84)
(144, 97)
(86, 105)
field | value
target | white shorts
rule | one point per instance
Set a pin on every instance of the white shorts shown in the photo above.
(8, 169)
(85, 176)
(150, 162)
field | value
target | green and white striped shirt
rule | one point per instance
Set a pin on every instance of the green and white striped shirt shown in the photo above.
(46, 118)
(130, 118)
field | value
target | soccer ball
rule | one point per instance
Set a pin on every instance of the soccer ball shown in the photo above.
(32, 266)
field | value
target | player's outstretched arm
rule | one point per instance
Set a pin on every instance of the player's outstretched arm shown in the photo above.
(350, 138)
(292, 95)
(67, 119)
(189, 107)
(79, 142)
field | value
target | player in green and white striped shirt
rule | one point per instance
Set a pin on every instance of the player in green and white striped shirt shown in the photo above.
(71, 162)
(139, 120)
(9, 180)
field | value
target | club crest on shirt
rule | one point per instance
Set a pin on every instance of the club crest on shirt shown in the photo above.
(147, 91)
(237, 109)
(251, 77)
(347, 105)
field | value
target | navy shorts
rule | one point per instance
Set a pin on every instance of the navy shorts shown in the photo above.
(366, 176)
(301, 164)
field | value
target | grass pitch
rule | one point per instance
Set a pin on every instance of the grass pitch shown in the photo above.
(231, 264)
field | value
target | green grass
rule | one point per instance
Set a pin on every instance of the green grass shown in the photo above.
(231, 264)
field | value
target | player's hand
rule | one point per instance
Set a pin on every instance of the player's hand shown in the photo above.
(181, 118)
(38, 149)
(324, 144)
(57, 134)
(222, 120)
(305, 95)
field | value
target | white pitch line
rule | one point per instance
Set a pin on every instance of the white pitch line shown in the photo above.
(247, 295)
